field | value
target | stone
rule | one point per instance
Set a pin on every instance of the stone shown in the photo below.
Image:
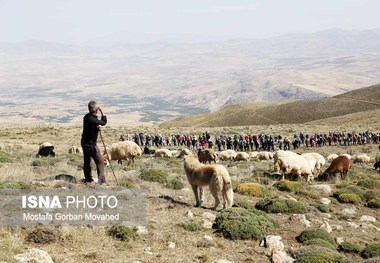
(365, 218)
(322, 188)
(148, 250)
(352, 224)
(222, 261)
(171, 245)
(326, 226)
(279, 256)
(325, 201)
(208, 238)
(273, 242)
(339, 240)
(206, 224)
(209, 216)
(337, 227)
(301, 218)
(34, 255)
(206, 241)
(349, 211)
(141, 231)
(189, 214)
(368, 226)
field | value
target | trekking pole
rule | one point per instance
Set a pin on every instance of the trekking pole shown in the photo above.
(109, 159)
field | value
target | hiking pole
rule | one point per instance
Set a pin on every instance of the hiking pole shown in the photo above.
(109, 159)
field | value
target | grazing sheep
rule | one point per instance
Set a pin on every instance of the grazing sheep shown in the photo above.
(183, 153)
(123, 150)
(46, 149)
(74, 149)
(207, 155)
(331, 157)
(288, 161)
(242, 156)
(347, 155)
(163, 153)
(215, 176)
(362, 158)
(148, 151)
(227, 155)
(264, 156)
(377, 165)
(253, 154)
(340, 164)
(319, 160)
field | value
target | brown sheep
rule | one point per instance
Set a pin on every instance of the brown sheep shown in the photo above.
(207, 155)
(340, 164)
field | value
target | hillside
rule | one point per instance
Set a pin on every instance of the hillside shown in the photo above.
(301, 111)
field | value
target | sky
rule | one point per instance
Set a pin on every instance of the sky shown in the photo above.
(88, 21)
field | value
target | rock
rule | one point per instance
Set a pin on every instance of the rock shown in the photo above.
(337, 227)
(281, 257)
(325, 201)
(339, 240)
(365, 218)
(222, 261)
(322, 188)
(349, 211)
(171, 245)
(273, 242)
(141, 231)
(301, 218)
(352, 224)
(148, 250)
(368, 226)
(291, 197)
(207, 237)
(326, 226)
(206, 241)
(186, 190)
(206, 224)
(326, 215)
(189, 214)
(34, 255)
(209, 216)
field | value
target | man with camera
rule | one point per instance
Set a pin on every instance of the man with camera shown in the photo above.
(91, 127)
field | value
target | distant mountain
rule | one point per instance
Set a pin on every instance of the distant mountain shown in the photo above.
(364, 101)
(184, 78)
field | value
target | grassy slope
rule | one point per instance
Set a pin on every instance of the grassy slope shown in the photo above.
(357, 101)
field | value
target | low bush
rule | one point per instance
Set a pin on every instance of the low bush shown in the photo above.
(369, 184)
(15, 185)
(319, 242)
(349, 198)
(374, 203)
(322, 208)
(192, 227)
(44, 235)
(349, 247)
(314, 233)
(123, 233)
(174, 184)
(240, 223)
(372, 250)
(153, 175)
(127, 183)
(46, 161)
(279, 205)
(289, 186)
(317, 256)
(252, 189)
(4, 158)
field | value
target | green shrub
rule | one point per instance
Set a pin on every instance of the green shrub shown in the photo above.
(369, 195)
(374, 203)
(349, 190)
(15, 185)
(240, 223)
(349, 198)
(316, 256)
(123, 233)
(319, 242)
(46, 161)
(313, 233)
(127, 183)
(349, 247)
(278, 205)
(175, 184)
(289, 186)
(370, 184)
(190, 226)
(322, 208)
(252, 189)
(372, 250)
(4, 157)
(153, 175)
(43, 235)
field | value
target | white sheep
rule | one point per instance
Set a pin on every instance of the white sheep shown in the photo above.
(288, 161)
(264, 156)
(331, 157)
(253, 154)
(347, 155)
(227, 155)
(362, 158)
(319, 160)
(163, 153)
(74, 149)
(242, 156)
(123, 150)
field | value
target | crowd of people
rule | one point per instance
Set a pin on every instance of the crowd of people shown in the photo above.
(255, 142)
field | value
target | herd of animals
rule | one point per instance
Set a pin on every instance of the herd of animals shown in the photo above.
(202, 169)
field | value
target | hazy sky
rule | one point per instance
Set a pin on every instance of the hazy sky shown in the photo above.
(81, 21)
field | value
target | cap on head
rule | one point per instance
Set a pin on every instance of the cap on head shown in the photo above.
(92, 106)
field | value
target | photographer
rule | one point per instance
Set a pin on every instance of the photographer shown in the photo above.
(91, 126)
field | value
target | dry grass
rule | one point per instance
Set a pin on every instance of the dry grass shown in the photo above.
(84, 244)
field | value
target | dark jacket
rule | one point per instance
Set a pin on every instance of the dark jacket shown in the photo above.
(90, 128)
